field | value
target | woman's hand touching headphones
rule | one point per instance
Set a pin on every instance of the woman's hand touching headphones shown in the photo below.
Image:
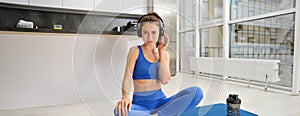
(163, 46)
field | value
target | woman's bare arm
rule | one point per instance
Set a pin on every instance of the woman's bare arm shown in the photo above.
(131, 59)
(125, 103)
(164, 70)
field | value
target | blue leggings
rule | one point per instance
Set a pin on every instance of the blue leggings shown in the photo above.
(155, 101)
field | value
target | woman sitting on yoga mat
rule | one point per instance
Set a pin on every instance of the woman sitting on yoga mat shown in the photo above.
(148, 67)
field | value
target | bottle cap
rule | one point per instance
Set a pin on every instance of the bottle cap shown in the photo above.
(233, 98)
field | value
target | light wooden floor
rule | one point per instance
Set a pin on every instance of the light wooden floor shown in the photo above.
(254, 99)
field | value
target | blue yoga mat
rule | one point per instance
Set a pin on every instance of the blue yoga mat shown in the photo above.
(219, 109)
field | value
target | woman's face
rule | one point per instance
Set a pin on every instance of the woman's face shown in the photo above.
(150, 33)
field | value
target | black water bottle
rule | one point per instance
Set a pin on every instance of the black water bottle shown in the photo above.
(233, 105)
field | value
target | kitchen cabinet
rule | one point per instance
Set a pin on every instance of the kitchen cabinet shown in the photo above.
(47, 3)
(122, 6)
(24, 2)
(79, 4)
(108, 5)
(134, 6)
(45, 69)
(115, 6)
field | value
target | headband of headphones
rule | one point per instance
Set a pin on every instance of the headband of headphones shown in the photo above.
(153, 14)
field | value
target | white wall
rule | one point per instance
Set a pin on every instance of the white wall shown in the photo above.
(167, 9)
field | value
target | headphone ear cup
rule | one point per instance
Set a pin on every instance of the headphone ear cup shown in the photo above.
(161, 31)
(139, 33)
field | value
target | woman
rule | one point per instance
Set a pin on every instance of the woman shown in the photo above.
(148, 67)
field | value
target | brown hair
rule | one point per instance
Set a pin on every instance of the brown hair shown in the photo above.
(151, 17)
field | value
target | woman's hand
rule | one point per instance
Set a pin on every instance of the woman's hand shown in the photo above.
(123, 106)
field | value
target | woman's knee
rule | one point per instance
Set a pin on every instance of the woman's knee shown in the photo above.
(195, 89)
(197, 92)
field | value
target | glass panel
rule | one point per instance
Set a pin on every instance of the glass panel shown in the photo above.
(187, 49)
(211, 42)
(270, 38)
(188, 14)
(212, 9)
(247, 8)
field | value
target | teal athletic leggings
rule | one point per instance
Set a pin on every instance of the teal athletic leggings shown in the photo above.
(151, 102)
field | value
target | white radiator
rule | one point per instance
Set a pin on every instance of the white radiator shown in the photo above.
(249, 69)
